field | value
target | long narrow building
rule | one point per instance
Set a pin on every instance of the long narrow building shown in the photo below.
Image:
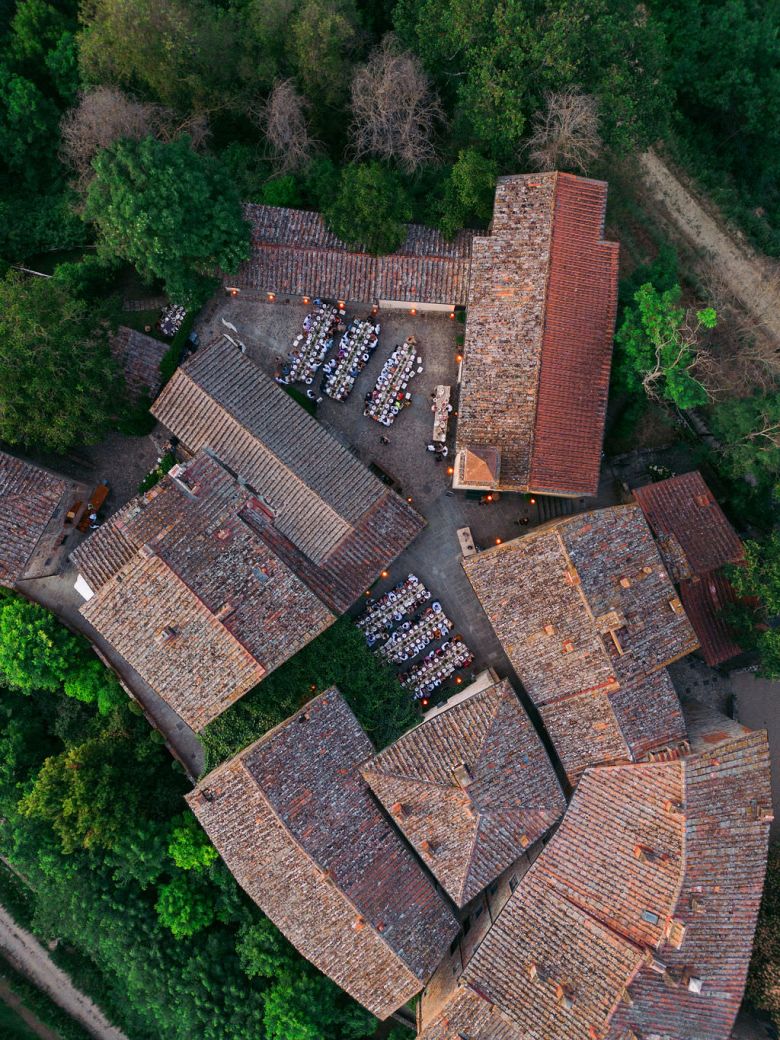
(538, 351)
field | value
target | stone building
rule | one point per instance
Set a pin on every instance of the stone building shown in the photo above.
(589, 618)
(696, 542)
(541, 291)
(471, 789)
(300, 830)
(39, 511)
(636, 921)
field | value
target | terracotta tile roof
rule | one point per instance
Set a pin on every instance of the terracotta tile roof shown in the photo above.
(468, 826)
(579, 325)
(542, 302)
(637, 919)
(696, 540)
(187, 556)
(138, 357)
(587, 613)
(705, 599)
(683, 507)
(293, 253)
(33, 504)
(323, 501)
(298, 827)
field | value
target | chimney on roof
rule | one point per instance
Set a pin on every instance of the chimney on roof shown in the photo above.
(673, 807)
(462, 775)
(564, 996)
(644, 853)
(676, 605)
(625, 583)
(533, 971)
(359, 923)
(398, 810)
(702, 500)
(675, 933)
(166, 634)
(696, 905)
(427, 847)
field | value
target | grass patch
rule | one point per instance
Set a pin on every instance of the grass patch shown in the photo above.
(166, 463)
(338, 657)
(138, 320)
(301, 398)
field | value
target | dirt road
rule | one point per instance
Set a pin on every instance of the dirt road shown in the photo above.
(749, 277)
(31, 959)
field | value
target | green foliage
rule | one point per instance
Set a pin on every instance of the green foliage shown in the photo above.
(468, 194)
(495, 59)
(165, 465)
(657, 352)
(92, 684)
(371, 209)
(32, 223)
(57, 377)
(28, 123)
(746, 427)
(757, 583)
(281, 191)
(170, 212)
(189, 848)
(338, 657)
(36, 651)
(90, 278)
(322, 37)
(184, 906)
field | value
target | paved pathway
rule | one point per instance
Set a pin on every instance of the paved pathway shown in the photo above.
(756, 706)
(58, 595)
(31, 959)
(747, 275)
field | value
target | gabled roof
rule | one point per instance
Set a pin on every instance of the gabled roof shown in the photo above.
(187, 559)
(470, 788)
(587, 614)
(31, 499)
(696, 540)
(138, 357)
(684, 508)
(327, 514)
(538, 349)
(637, 918)
(294, 253)
(298, 827)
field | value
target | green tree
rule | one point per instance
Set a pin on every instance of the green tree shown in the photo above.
(371, 210)
(658, 347)
(469, 192)
(189, 847)
(172, 213)
(84, 794)
(36, 651)
(185, 906)
(92, 683)
(58, 382)
(28, 130)
(749, 431)
(321, 39)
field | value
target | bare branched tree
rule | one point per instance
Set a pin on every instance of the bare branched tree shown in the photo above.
(284, 119)
(104, 115)
(566, 133)
(394, 108)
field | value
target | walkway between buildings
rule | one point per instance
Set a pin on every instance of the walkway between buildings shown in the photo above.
(58, 595)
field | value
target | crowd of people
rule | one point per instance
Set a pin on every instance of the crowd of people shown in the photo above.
(412, 637)
(390, 394)
(355, 349)
(436, 667)
(379, 617)
(311, 346)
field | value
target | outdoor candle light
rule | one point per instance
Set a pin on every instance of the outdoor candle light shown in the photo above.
(459, 358)
(458, 679)
(498, 541)
(452, 315)
(450, 470)
(413, 310)
(234, 292)
(306, 299)
(385, 574)
(271, 297)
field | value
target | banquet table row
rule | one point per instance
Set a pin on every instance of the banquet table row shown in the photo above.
(436, 667)
(312, 345)
(412, 637)
(354, 352)
(390, 394)
(381, 615)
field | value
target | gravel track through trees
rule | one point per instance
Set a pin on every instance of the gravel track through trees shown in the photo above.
(30, 958)
(746, 274)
